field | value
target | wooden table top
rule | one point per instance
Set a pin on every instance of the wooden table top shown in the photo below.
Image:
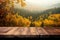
(29, 31)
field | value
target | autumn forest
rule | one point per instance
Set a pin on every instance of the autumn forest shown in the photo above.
(14, 17)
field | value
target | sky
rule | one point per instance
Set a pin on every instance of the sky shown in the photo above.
(43, 2)
(39, 4)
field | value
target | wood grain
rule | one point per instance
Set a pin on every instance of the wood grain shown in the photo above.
(29, 31)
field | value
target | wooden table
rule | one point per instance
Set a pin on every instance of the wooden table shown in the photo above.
(29, 31)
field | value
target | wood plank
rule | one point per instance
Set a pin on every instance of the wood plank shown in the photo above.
(25, 31)
(53, 30)
(29, 31)
(4, 29)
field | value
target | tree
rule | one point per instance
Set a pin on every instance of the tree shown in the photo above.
(5, 10)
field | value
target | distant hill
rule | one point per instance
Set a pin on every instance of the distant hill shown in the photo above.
(55, 5)
(35, 14)
(53, 10)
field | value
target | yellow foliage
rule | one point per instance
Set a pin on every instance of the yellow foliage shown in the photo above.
(30, 17)
(37, 23)
(7, 8)
(7, 1)
(18, 20)
(27, 22)
(8, 17)
(49, 22)
(22, 3)
(55, 16)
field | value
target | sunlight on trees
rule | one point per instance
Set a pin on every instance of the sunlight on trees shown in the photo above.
(9, 18)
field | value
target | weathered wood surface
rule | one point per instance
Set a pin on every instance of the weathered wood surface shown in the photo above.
(29, 31)
(52, 30)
